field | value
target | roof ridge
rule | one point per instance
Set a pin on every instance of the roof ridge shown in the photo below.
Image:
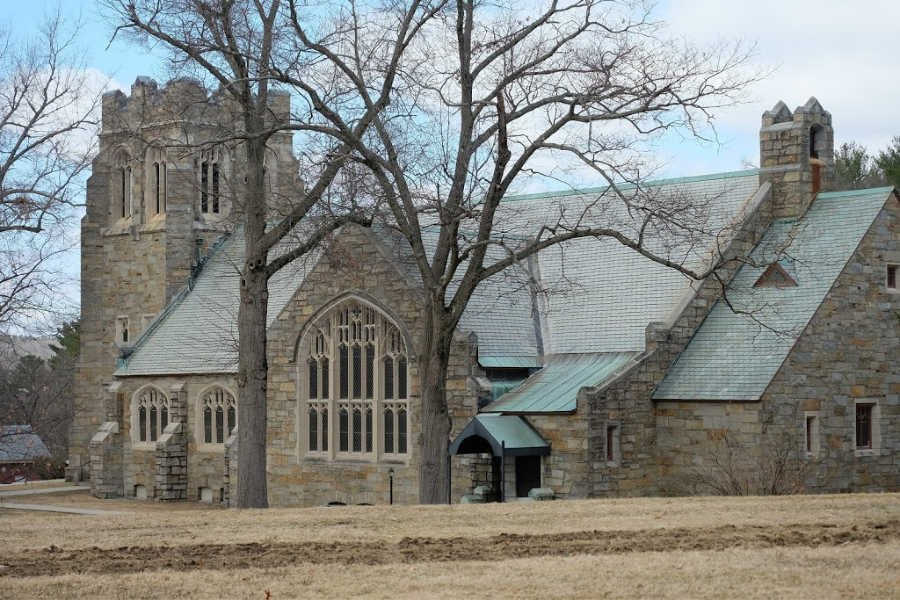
(862, 192)
(650, 183)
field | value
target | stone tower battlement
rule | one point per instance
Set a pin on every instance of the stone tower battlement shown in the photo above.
(185, 100)
(796, 155)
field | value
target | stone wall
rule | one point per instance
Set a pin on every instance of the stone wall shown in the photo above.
(847, 354)
(625, 402)
(784, 155)
(358, 264)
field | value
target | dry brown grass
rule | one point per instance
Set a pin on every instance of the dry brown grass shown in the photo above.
(851, 570)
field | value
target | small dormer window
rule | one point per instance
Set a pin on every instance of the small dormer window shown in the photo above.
(775, 276)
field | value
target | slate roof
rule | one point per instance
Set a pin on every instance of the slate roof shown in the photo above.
(600, 295)
(597, 296)
(508, 435)
(197, 333)
(555, 387)
(732, 356)
(18, 443)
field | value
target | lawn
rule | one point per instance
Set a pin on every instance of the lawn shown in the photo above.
(845, 546)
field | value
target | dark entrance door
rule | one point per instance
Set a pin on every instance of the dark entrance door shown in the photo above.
(496, 461)
(528, 474)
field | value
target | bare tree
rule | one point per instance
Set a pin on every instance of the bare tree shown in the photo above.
(448, 106)
(485, 96)
(47, 121)
(235, 43)
(37, 391)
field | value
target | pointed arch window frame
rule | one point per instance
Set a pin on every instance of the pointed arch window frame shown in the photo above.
(364, 335)
(211, 396)
(150, 414)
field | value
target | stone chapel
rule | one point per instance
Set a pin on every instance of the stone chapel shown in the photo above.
(619, 377)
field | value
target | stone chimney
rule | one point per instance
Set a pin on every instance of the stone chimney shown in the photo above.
(796, 155)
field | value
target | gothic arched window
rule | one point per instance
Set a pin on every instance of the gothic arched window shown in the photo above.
(122, 185)
(211, 180)
(217, 414)
(157, 180)
(150, 415)
(359, 354)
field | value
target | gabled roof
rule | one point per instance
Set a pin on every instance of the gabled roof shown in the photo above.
(734, 356)
(555, 387)
(598, 296)
(19, 443)
(506, 435)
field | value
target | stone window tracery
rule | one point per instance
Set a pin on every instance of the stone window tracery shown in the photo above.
(150, 415)
(359, 355)
(211, 179)
(217, 415)
(123, 185)
(157, 180)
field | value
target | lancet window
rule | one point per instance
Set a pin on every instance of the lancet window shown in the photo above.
(354, 367)
(157, 181)
(211, 174)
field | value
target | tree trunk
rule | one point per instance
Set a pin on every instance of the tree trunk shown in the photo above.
(252, 363)
(434, 443)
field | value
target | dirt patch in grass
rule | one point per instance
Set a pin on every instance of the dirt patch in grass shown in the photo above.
(130, 559)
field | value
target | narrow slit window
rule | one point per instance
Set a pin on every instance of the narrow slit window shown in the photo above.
(324, 430)
(204, 187)
(357, 372)
(343, 371)
(864, 425)
(313, 380)
(357, 430)
(313, 430)
(401, 431)
(325, 378)
(892, 277)
(153, 424)
(232, 420)
(163, 419)
(220, 425)
(389, 431)
(368, 430)
(207, 425)
(389, 378)
(142, 423)
(344, 426)
(157, 187)
(215, 187)
(370, 371)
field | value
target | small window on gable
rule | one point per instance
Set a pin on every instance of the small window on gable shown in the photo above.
(775, 276)
(892, 276)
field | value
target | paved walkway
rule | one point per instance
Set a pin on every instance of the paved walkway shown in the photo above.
(63, 509)
(44, 490)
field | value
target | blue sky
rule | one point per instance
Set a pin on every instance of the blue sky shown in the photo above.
(833, 49)
(836, 52)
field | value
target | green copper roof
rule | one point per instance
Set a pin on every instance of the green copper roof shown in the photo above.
(734, 356)
(555, 387)
(508, 435)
